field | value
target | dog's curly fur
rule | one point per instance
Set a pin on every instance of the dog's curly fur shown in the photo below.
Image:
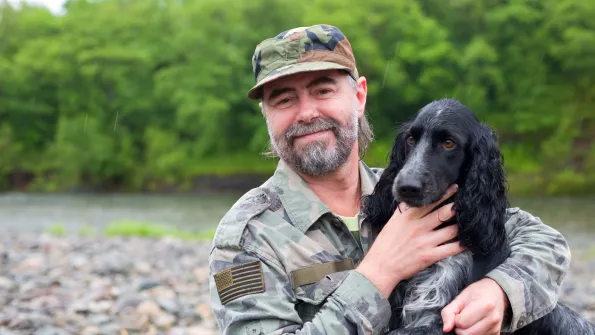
(421, 169)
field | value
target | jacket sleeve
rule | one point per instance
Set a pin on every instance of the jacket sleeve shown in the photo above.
(533, 274)
(267, 304)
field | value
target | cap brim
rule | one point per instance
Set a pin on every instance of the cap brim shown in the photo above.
(255, 92)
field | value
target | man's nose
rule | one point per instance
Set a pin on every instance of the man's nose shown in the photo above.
(308, 110)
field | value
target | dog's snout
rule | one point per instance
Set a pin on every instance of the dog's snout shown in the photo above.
(409, 187)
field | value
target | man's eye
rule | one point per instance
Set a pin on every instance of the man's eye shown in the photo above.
(283, 101)
(323, 91)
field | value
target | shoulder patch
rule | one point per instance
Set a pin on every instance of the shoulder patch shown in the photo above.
(239, 280)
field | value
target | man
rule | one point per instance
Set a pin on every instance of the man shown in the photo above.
(295, 255)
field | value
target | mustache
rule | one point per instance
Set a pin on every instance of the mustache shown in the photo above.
(301, 129)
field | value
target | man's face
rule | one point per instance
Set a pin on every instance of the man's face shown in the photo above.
(312, 119)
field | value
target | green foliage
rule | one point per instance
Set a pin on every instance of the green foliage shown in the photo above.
(146, 94)
(146, 229)
(57, 230)
(128, 228)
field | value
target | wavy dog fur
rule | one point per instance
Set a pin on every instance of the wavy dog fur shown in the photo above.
(445, 143)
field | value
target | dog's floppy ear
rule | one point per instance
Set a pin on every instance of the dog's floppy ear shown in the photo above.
(380, 205)
(481, 202)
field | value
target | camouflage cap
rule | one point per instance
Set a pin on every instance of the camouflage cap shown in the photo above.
(314, 48)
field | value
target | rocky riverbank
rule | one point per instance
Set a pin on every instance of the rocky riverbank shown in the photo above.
(89, 285)
(83, 285)
(578, 289)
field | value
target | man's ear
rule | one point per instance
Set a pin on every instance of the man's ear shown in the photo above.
(260, 104)
(361, 94)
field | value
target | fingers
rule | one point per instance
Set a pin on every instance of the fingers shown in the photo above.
(439, 216)
(467, 315)
(420, 212)
(448, 249)
(452, 189)
(402, 208)
(449, 313)
(445, 213)
(443, 235)
(472, 315)
(440, 252)
(486, 326)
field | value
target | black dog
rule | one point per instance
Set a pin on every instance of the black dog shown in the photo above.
(443, 144)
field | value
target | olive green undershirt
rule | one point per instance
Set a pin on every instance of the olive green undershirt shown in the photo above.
(351, 222)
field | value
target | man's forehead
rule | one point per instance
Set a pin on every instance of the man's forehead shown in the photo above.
(301, 79)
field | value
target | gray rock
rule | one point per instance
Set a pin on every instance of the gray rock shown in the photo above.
(79, 307)
(168, 305)
(143, 267)
(127, 300)
(148, 284)
(100, 319)
(6, 284)
(111, 268)
(48, 302)
(91, 330)
(30, 321)
(109, 329)
(102, 306)
(164, 320)
(78, 261)
(8, 332)
(50, 330)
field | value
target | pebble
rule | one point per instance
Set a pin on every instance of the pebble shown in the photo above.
(95, 286)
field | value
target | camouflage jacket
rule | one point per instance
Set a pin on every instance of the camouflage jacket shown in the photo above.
(282, 263)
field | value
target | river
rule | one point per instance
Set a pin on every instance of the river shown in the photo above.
(38, 212)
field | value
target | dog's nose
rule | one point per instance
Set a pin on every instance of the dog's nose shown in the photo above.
(409, 188)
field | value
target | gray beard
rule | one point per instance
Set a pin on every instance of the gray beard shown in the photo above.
(316, 158)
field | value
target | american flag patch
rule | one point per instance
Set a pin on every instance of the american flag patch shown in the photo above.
(239, 280)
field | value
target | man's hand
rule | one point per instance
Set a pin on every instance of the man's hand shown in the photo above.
(478, 310)
(408, 244)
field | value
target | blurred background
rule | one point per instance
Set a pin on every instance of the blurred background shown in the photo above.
(130, 117)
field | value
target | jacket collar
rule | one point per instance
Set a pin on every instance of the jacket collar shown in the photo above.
(301, 204)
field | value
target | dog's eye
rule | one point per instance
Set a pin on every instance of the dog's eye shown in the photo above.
(410, 140)
(448, 144)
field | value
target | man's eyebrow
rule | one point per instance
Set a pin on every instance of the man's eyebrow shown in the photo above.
(278, 91)
(320, 80)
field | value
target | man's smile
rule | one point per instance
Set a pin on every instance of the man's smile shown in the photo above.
(313, 136)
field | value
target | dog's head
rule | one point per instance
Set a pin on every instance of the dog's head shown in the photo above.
(440, 146)
(435, 146)
(444, 143)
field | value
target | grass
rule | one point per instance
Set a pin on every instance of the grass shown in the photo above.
(57, 230)
(585, 255)
(138, 229)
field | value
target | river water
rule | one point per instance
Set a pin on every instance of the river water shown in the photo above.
(38, 212)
